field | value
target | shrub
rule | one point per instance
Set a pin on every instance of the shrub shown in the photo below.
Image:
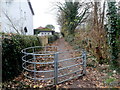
(70, 38)
(53, 38)
(11, 53)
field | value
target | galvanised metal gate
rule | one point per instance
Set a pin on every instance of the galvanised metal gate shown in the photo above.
(46, 64)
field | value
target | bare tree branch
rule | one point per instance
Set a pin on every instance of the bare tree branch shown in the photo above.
(12, 24)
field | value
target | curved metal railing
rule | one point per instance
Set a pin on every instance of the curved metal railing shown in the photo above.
(44, 63)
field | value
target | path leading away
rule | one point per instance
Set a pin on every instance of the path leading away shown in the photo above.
(62, 47)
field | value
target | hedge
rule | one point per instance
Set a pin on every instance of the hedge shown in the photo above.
(53, 38)
(11, 53)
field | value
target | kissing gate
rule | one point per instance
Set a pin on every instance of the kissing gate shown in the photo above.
(48, 65)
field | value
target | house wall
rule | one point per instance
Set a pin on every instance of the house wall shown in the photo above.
(20, 16)
(44, 33)
(0, 17)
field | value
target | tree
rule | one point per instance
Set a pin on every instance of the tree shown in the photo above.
(11, 22)
(70, 15)
(17, 24)
(50, 26)
(113, 32)
(94, 33)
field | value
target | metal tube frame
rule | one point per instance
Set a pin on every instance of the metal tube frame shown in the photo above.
(55, 63)
(84, 61)
(56, 69)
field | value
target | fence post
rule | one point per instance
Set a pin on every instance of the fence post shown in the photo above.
(45, 49)
(25, 59)
(34, 58)
(56, 68)
(84, 61)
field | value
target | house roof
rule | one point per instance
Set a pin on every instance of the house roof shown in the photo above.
(40, 27)
(29, 3)
(43, 29)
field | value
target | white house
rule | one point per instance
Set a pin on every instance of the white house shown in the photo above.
(16, 16)
(45, 33)
(41, 31)
(0, 17)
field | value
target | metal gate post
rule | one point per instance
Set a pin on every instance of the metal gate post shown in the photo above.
(56, 68)
(84, 62)
(34, 58)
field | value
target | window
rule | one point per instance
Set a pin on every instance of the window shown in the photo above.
(25, 30)
(8, 2)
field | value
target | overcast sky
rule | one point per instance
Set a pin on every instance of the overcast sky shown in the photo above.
(45, 13)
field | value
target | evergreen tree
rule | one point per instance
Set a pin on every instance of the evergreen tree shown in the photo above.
(113, 32)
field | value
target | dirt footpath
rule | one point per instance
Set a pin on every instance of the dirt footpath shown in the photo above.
(83, 81)
(62, 47)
